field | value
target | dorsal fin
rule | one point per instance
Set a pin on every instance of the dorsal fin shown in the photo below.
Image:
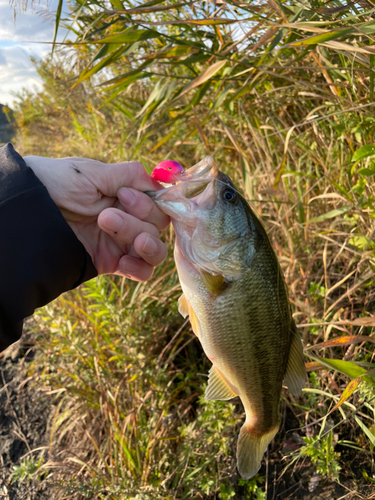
(295, 375)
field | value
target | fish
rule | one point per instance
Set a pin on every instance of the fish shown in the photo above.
(237, 301)
(168, 171)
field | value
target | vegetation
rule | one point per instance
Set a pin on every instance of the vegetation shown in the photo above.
(282, 95)
(6, 122)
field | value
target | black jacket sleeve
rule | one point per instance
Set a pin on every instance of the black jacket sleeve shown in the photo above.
(40, 256)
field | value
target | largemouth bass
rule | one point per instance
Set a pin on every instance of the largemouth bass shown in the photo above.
(237, 302)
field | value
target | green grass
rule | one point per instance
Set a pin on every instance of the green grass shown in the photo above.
(130, 413)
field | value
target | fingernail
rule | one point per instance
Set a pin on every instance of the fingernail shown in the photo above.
(126, 196)
(113, 222)
(150, 247)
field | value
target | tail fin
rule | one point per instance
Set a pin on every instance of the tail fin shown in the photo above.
(251, 448)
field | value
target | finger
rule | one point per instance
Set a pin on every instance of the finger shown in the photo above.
(130, 174)
(135, 269)
(151, 249)
(124, 227)
(141, 206)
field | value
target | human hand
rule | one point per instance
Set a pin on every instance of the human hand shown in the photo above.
(103, 204)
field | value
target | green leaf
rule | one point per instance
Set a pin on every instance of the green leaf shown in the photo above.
(194, 59)
(163, 140)
(105, 50)
(372, 74)
(125, 76)
(246, 175)
(367, 28)
(220, 98)
(178, 50)
(123, 110)
(206, 22)
(151, 3)
(128, 36)
(126, 81)
(366, 171)
(346, 367)
(102, 64)
(200, 93)
(361, 242)
(57, 22)
(324, 37)
(366, 430)
(364, 152)
(350, 388)
(352, 370)
(203, 77)
(156, 95)
(117, 4)
(330, 215)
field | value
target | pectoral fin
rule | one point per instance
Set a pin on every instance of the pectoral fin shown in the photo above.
(295, 375)
(218, 388)
(185, 309)
(183, 306)
(215, 284)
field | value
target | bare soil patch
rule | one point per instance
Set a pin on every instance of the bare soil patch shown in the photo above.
(24, 423)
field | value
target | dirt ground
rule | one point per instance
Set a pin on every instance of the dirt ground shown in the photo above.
(26, 414)
(24, 424)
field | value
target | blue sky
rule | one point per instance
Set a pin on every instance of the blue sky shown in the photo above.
(16, 69)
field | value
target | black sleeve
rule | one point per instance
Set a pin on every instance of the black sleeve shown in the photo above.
(40, 256)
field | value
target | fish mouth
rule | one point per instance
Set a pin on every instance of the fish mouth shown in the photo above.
(205, 166)
(205, 169)
(180, 199)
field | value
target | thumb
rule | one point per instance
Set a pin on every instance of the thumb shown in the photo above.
(127, 174)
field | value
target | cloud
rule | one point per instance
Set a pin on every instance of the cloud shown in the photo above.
(17, 44)
(16, 74)
(30, 26)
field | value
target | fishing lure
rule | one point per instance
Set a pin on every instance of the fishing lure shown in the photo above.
(168, 171)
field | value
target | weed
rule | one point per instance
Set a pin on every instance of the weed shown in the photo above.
(29, 470)
(253, 488)
(321, 451)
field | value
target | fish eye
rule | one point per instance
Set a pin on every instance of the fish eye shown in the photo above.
(169, 168)
(229, 195)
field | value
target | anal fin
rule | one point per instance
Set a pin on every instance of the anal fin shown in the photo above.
(217, 388)
(295, 375)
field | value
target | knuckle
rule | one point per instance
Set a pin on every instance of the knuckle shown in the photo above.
(139, 169)
(148, 207)
(154, 232)
(164, 223)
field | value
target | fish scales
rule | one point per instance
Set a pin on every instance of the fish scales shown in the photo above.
(223, 318)
(237, 302)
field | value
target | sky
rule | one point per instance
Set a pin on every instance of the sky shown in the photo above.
(16, 69)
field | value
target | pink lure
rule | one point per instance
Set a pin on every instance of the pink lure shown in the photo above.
(168, 171)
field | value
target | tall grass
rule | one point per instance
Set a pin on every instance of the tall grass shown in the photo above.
(290, 119)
